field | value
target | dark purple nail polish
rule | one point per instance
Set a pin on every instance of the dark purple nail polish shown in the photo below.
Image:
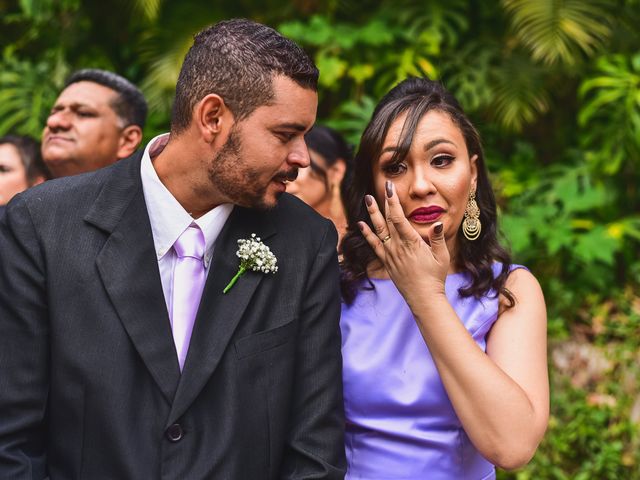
(361, 226)
(368, 199)
(437, 228)
(389, 188)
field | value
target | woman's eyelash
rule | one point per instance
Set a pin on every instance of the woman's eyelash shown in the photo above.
(393, 168)
(443, 159)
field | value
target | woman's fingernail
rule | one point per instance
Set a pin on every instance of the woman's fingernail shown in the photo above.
(437, 228)
(389, 188)
(361, 226)
(368, 199)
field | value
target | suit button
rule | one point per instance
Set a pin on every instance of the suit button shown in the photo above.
(174, 433)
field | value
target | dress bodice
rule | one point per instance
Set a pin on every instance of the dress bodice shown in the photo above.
(400, 422)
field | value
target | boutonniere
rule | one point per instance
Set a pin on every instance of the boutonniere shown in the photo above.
(254, 255)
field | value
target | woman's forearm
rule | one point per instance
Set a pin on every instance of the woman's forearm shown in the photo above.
(495, 411)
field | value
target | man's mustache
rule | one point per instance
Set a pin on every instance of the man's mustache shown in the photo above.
(289, 176)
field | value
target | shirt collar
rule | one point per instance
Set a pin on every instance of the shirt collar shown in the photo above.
(168, 218)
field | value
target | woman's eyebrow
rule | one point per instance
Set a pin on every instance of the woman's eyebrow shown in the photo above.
(428, 146)
(388, 149)
(436, 142)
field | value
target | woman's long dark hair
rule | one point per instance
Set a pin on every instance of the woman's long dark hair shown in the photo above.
(415, 97)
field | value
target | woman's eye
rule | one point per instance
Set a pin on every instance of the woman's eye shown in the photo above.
(394, 168)
(442, 160)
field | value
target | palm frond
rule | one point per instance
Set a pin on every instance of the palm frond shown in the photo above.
(164, 68)
(559, 31)
(352, 117)
(468, 74)
(519, 93)
(149, 8)
(27, 92)
(611, 112)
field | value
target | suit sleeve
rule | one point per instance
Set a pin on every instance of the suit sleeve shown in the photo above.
(24, 347)
(316, 439)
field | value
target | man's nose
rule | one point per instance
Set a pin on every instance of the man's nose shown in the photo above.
(59, 120)
(299, 154)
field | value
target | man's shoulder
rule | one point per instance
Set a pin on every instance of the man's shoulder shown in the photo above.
(291, 212)
(74, 193)
(302, 227)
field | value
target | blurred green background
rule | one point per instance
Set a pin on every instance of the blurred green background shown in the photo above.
(552, 85)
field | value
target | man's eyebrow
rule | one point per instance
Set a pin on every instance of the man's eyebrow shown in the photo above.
(292, 126)
(72, 106)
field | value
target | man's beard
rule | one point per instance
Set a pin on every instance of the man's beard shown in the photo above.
(238, 182)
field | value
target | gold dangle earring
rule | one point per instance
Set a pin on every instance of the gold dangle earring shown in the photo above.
(471, 226)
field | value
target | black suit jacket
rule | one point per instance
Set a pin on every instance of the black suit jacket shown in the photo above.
(90, 386)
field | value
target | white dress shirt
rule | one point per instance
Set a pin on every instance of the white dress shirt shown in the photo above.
(169, 219)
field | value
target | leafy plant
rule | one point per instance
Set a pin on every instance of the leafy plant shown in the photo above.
(612, 112)
(27, 91)
(560, 30)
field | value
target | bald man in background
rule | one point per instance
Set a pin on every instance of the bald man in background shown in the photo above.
(97, 120)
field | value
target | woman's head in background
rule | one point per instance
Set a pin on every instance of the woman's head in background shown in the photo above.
(320, 185)
(21, 166)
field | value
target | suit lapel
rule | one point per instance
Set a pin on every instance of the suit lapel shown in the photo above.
(129, 270)
(219, 314)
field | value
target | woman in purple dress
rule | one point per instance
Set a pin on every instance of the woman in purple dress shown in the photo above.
(444, 339)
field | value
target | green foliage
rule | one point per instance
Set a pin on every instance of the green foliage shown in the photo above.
(612, 111)
(584, 441)
(27, 91)
(149, 8)
(560, 30)
(594, 429)
(520, 95)
(352, 118)
(561, 226)
(395, 42)
(469, 74)
(556, 217)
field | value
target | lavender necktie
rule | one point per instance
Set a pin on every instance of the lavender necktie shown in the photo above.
(188, 283)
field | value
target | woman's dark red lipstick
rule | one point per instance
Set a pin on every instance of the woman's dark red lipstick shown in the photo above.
(426, 214)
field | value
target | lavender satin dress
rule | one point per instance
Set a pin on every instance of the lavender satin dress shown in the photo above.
(400, 423)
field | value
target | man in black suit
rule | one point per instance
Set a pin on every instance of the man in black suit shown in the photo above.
(100, 375)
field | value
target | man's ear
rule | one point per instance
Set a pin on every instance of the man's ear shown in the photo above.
(211, 116)
(130, 139)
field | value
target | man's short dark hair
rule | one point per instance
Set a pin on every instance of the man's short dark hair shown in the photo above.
(238, 59)
(130, 104)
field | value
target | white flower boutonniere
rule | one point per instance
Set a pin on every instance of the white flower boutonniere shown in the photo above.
(254, 255)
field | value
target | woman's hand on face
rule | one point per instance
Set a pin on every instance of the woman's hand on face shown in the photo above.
(414, 265)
